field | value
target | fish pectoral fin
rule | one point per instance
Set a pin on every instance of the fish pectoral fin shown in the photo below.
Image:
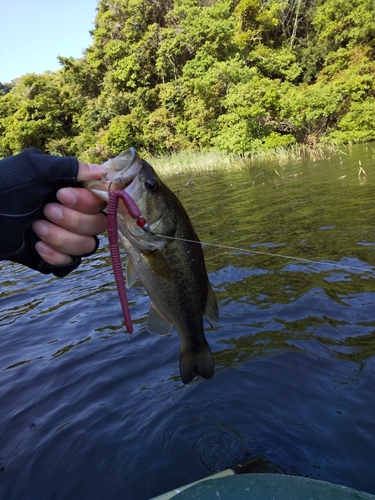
(211, 311)
(196, 363)
(131, 275)
(158, 264)
(157, 324)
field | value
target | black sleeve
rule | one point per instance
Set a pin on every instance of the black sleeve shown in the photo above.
(28, 181)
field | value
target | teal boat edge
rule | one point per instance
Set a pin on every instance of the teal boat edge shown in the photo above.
(263, 487)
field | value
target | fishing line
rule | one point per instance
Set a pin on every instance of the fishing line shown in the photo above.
(259, 252)
(267, 254)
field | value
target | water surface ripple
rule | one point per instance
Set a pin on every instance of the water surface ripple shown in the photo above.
(88, 411)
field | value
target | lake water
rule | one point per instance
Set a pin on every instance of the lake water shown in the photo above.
(88, 411)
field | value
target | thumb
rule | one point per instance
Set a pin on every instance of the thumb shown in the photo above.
(90, 171)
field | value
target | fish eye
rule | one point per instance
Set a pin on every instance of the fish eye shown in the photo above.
(152, 185)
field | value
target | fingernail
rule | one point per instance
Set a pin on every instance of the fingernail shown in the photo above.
(40, 228)
(67, 196)
(42, 249)
(54, 212)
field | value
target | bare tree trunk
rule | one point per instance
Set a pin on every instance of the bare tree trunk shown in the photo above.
(292, 38)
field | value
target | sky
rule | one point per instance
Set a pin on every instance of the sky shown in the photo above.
(34, 32)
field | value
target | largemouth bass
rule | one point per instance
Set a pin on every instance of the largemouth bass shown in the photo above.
(171, 269)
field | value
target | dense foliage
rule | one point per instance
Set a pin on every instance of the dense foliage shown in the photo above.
(235, 75)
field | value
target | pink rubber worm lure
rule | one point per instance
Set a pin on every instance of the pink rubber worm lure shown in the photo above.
(134, 211)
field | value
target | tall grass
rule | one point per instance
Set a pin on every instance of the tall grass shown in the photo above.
(203, 161)
(196, 161)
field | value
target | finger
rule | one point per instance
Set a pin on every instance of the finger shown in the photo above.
(63, 241)
(74, 221)
(80, 199)
(87, 171)
(52, 256)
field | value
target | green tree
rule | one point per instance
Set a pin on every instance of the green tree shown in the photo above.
(31, 114)
(252, 114)
(238, 75)
(345, 24)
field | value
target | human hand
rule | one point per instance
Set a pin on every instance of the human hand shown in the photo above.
(73, 222)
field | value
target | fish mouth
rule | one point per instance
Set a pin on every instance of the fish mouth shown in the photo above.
(121, 182)
(123, 169)
(122, 173)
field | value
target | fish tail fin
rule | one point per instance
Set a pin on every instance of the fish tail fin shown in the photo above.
(196, 363)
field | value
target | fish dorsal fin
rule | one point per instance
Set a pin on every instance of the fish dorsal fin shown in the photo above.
(211, 311)
(157, 324)
(131, 275)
